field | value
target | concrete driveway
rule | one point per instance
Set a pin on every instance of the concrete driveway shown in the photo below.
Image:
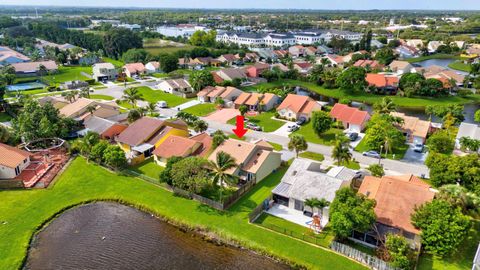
(414, 157)
(222, 115)
(283, 130)
(186, 105)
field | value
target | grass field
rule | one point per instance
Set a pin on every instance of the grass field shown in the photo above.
(201, 109)
(27, 92)
(276, 146)
(459, 65)
(312, 156)
(157, 46)
(23, 211)
(148, 168)
(413, 102)
(326, 138)
(399, 152)
(264, 120)
(151, 95)
(66, 74)
(433, 56)
(116, 63)
(352, 164)
(4, 117)
(104, 97)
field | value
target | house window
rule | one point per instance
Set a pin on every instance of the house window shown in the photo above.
(17, 170)
(298, 205)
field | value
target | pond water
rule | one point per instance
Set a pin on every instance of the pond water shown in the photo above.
(113, 236)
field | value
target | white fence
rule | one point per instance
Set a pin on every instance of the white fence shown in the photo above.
(372, 261)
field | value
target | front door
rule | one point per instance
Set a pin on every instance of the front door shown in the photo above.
(298, 205)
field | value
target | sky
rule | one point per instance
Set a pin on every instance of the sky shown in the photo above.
(265, 4)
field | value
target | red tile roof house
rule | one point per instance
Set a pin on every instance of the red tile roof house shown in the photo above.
(152, 67)
(12, 161)
(396, 198)
(352, 119)
(296, 51)
(227, 59)
(175, 146)
(256, 70)
(133, 69)
(280, 54)
(253, 101)
(33, 68)
(372, 64)
(295, 106)
(230, 74)
(383, 83)
(333, 60)
(303, 68)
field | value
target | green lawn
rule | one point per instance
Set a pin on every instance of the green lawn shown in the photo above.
(413, 102)
(116, 63)
(22, 212)
(201, 109)
(104, 97)
(398, 152)
(68, 74)
(160, 75)
(286, 227)
(326, 138)
(148, 168)
(276, 146)
(151, 95)
(459, 65)
(264, 120)
(352, 164)
(27, 92)
(461, 259)
(153, 46)
(312, 156)
(433, 56)
(4, 117)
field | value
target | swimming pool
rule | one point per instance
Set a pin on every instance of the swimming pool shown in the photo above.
(25, 86)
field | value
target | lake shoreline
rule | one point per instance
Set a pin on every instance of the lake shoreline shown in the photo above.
(197, 231)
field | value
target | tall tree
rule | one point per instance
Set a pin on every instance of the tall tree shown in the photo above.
(384, 106)
(341, 152)
(200, 79)
(132, 96)
(223, 162)
(297, 143)
(117, 41)
(321, 122)
(352, 79)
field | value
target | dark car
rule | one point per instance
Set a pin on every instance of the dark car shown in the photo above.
(301, 121)
(353, 136)
(253, 127)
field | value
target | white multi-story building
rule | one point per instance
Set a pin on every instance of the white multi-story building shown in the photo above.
(183, 30)
(131, 27)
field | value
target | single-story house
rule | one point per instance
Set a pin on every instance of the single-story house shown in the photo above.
(153, 67)
(296, 106)
(401, 67)
(256, 69)
(12, 161)
(352, 119)
(253, 101)
(215, 93)
(205, 61)
(304, 180)
(57, 102)
(107, 129)
(280, 66)
(34, 68)
(396, 198)
(230, 94)
(280, 54)
(227, 59)
(303, 68)
(467, 130)
(141, 137)
(433, 45)
(249, 57)
(104, 71)
(134, 69)
(416, 43)
(79, 109)
(383, 82)
(179, 87)
(406, 51)
(255, 160)
(9, 56)
(372, 64)
(442, 74)
(230, 74)
(333, 60)
(413, 128)
(175, 146)
(296, 51)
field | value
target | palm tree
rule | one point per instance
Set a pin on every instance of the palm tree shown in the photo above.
(325, 61)
(340, 151)
(310, 203)
(297, 143)
(200, 126)
(85, 92)
(69, 96)
(320, 204)
(222, 163)
(384, 106)
(151, 107)
(91, 109)
(132, 95)
(42, 70)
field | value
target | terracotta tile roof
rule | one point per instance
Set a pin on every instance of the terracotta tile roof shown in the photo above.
(413, 125)
(256, 161)
(348, 114)
(267, 97)
(155, 64)
(11, 156)
(239, 150)
(304, 65)
(335, 58)
(364, 63)
(159, 135)
(228, 91)
(229, 57)
(254, 99)
(396, 65)
(176, 83)
(34, 66)
(206, 141)
(242, 98)
(76, 107)
(176, 146)
(396, 197)
(140, 131)
(216, 92)
(381, 80)
(6, 53)
(297, 104)
(205, 91)
(216, 77)
(134, 67)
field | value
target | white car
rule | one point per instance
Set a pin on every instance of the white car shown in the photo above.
(292, 128)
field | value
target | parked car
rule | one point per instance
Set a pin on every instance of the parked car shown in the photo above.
(252, 126)
(301, 121)
(292, 128)
(352, 136)
(162, 104)
(373, 154)
(418, 148)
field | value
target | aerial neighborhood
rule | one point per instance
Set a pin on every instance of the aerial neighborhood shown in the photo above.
(325, 141)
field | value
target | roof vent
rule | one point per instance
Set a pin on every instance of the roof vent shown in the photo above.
(255, 161)
(239, 145)
(258, 154)
(294, 173)
(368, 193)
